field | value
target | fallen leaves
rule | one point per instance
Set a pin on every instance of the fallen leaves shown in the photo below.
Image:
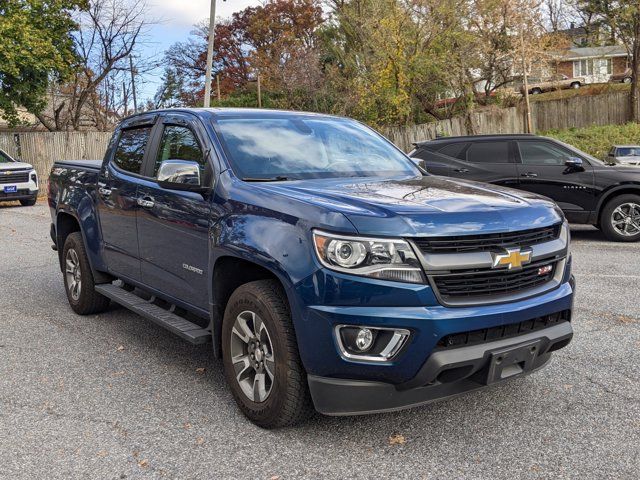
(397, 439)
(201, 370)
(143, 463)
(120, 348)
(199, 441)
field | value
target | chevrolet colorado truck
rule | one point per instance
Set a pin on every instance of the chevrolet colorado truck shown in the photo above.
(18, 181)
(325, 268)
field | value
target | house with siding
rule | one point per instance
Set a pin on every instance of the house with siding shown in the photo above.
(595, 64)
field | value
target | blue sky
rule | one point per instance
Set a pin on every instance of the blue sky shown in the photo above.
(176, 19)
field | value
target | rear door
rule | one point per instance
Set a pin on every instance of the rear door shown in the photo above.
(117, 197)
(542, 170)
(173, 227)
(490, 161)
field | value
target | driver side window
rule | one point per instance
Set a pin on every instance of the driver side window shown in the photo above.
(179, 143)
(542, 153)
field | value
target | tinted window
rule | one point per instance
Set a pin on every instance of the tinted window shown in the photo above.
(542, 153)
(488, 152)
(130, 150)
(629, 152)
(179, 143)
(4, 158)
(454, 150)
(298, 147)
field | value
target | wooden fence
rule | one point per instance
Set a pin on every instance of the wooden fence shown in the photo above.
(41, 149)
(576, 112)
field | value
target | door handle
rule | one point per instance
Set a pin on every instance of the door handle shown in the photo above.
(529, 175)
(146, 202)
(462, 170)
(105, 192)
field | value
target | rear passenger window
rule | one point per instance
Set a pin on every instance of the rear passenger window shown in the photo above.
(130, 150)
(488, 152)
(454, 150)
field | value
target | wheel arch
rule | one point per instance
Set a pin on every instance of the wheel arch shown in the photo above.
(229, 273)
(633, 189)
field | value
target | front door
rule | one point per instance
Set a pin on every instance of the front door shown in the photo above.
(117, 197)
(542, 170)
(173, 227)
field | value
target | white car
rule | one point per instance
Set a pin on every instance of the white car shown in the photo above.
(624, 155)
(18, 181)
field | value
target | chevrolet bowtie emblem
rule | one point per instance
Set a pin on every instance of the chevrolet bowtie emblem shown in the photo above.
(512, 258)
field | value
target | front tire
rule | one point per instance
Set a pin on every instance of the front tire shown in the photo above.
(620, 219)
(78, 278)
(536, 91)
(260, 356)
(30, 202)
(575, 85)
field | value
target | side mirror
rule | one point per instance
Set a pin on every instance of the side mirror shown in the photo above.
(574, 163)
(180, 175)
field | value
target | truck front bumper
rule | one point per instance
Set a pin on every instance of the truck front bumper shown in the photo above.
(446, 373)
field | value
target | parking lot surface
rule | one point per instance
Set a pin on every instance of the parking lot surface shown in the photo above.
(114, 396)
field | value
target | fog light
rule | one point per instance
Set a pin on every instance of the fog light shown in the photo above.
(370, 344)
(364, 339)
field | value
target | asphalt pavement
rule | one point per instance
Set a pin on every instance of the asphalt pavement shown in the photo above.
(115, 396)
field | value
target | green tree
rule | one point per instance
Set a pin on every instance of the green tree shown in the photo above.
(37, 47)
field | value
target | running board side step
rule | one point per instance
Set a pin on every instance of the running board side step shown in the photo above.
(185, 329)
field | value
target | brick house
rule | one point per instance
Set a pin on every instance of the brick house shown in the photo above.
(595, 64)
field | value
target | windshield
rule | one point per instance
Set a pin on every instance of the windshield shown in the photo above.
(629, 152)
(4, 158)
(297, 147)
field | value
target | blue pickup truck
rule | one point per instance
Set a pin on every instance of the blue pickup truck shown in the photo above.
(325, 268)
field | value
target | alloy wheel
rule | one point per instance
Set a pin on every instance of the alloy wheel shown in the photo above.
(73, 274)
(252, 356)
(625, 219)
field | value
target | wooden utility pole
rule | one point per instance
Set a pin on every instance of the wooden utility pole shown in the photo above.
(212, 31)
(133, 85)
(218, 86)
(526, 81)
(259, 92)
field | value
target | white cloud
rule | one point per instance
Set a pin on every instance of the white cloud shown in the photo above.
(181, 13)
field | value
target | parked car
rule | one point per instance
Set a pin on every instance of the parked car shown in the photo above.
(624, 77)
(588, 190)
(624, 155)
(557, 82)
(321, 263)
(18, 181)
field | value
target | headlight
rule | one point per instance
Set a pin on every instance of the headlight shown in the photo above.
(388, 259)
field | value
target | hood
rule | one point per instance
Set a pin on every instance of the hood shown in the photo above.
(15, 166)
(430, 205)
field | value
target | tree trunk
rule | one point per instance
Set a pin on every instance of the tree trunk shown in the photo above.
(634, 97)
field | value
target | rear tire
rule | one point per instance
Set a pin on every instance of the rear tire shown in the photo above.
(613, 219)
(536, 91)
(626, 80)
(78, 278)
(30, 202)
(260, 356)
(575, 85)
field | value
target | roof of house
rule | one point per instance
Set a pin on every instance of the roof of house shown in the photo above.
(595, 52)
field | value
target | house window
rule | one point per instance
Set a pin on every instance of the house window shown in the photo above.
(588, 67)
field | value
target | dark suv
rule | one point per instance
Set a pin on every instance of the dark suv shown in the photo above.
(586, 189)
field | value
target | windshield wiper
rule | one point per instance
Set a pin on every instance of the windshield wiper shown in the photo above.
(279, 178)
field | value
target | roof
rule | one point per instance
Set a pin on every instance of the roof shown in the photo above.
(223, 112)
(595, 52)
(498, 136)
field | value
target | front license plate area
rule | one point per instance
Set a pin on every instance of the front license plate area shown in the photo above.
(511, 361)
(11, 189)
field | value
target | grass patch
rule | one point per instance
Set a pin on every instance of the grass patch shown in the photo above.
(597, 140)
(595, 89)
